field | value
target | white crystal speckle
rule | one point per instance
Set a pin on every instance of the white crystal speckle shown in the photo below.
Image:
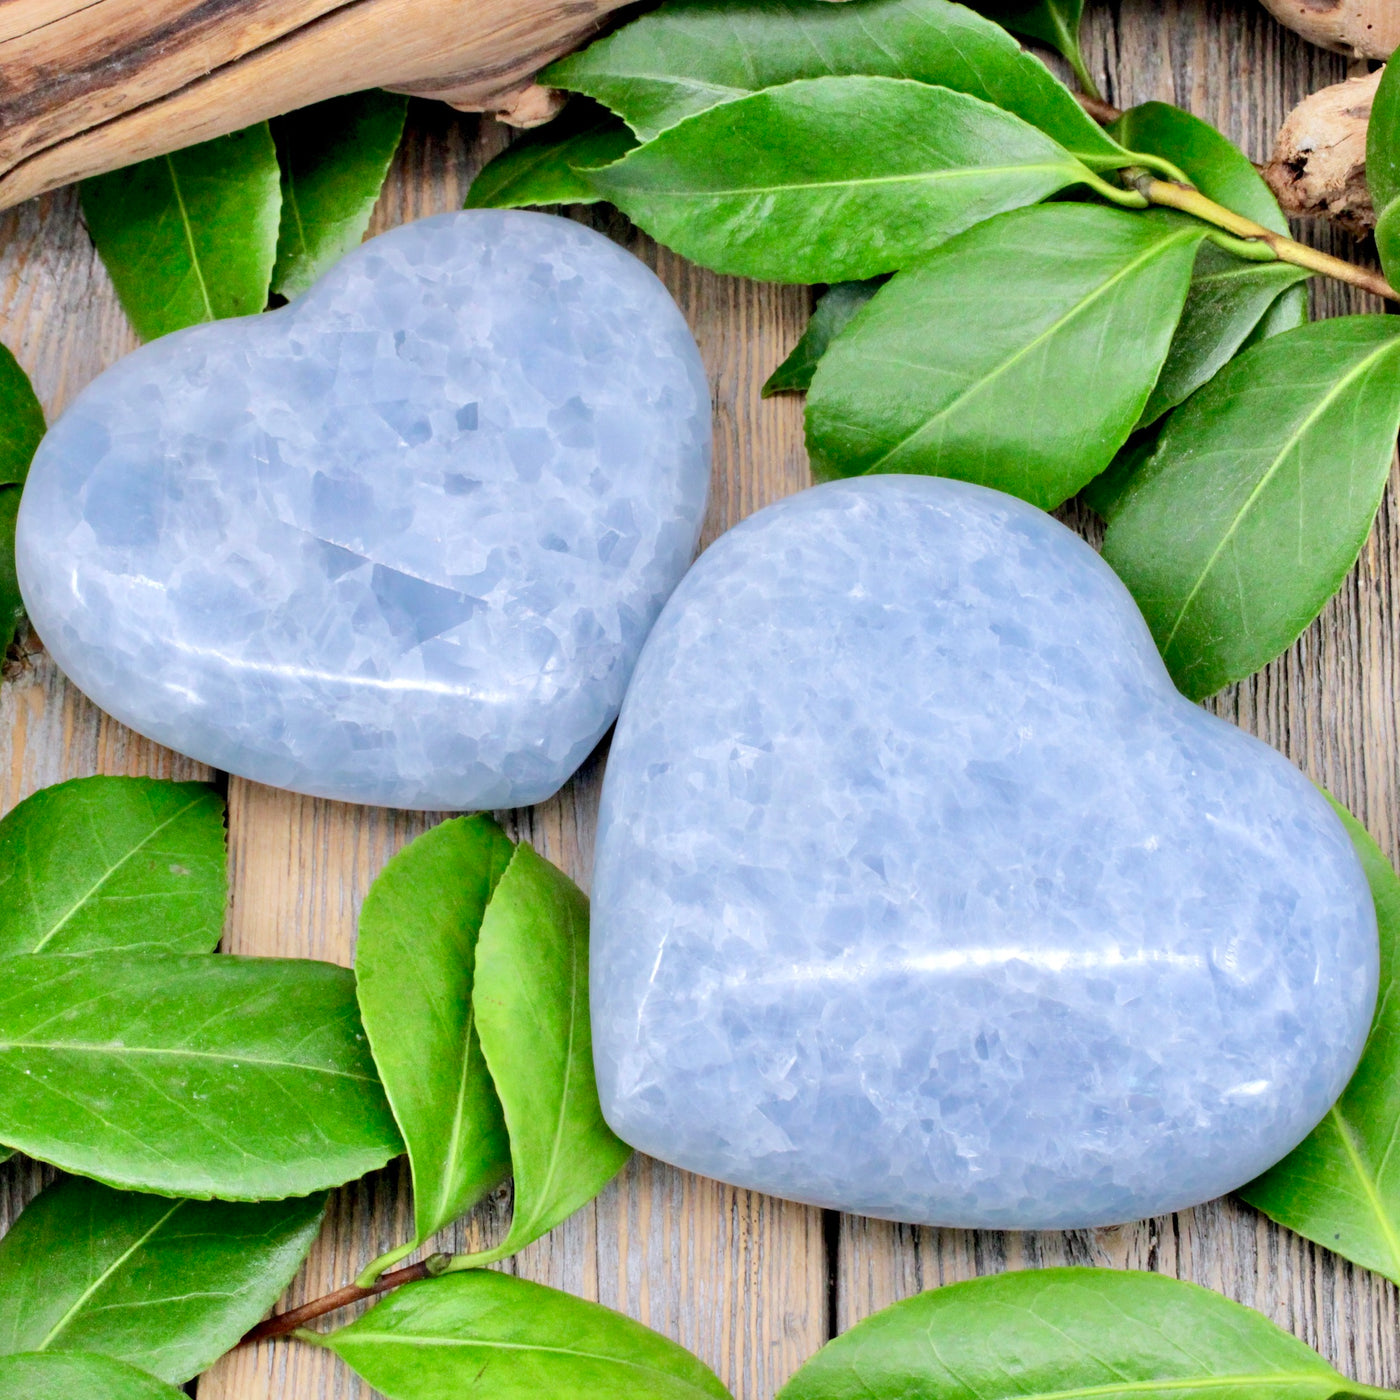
(399, 542)
(921, 893)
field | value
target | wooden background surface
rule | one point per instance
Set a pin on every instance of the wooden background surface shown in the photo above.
(753, 1285)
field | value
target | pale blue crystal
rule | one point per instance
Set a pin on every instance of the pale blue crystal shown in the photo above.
(399, 542)
(921, 893)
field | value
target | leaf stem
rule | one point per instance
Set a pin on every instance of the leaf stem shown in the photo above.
(293, 1319)
(370, 1274)
(460, 1263)
(1170, 195)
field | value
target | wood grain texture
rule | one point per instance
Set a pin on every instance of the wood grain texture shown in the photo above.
(90, 85)
(751, 1284)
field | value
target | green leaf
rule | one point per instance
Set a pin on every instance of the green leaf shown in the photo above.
(1217, 167)
(21, 421)
(833, 179)
(1230, 299)
(414, 965)
(1388, 241)
(11, 603)
(532, 1016)
(1341, 1187)
(1106, 1333)
(244, 1078)
(550, 164)
(54, 1376)
(1256, 504)
(501, 1338)
(167, 1286)
(1105, 493)
(21, 430)
(1383, 141)
(1053, 22)
(1073, 307)
(105, 864)
(334, 157)
(832, 314)
(1383, 169)
(691, 55)
(192, 236)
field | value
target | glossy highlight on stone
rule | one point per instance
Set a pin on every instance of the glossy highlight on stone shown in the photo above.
(399, 542)
(921, 893)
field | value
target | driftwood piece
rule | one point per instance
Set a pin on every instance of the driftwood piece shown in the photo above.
(92, 85)
(1359, 28)
(1318, 168)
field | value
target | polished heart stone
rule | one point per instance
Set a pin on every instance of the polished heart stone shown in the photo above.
(399, 542)
(921, 893)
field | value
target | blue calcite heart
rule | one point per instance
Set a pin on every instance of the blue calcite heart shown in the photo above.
(399, 542)
(921, 893)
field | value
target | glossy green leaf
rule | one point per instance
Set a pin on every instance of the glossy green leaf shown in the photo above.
(1253, 509)
(191, 236)
(833, 179)
(1383, 169)
(691, 55)
(167, 1286)
(334, 157)
(53, 1375)
(1217, 167)
(1106, 491)
(1388, 241)
(550, 164)
(1383, 141)
(1231, 300)
(1018, 355)
(1107, 1333)
(21, 421)
(1341, 1187)
(11, 603)
(105, 864)
(414, 965)
(21, 429)
(832, 314)
(1053, 22)
(502, 1338)
(243, 1078)
(532, 1016)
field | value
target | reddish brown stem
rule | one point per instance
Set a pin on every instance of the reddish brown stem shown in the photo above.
(1105, 113)
(282, 1323)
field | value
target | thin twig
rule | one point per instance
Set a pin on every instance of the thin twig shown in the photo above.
(1105, 113)
(1173, 196)
(290, 1321)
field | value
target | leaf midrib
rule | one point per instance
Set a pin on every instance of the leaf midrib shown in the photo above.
(1369, 1184)
(556, 1148)
(962, 172)
(188, 228)
(1267, 477)
(106, 1274)
(132, 1051)
(86, 897)
(1051, 330)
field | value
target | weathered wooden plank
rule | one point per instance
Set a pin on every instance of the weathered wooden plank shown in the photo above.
(1328, 704)
(739, 1278)
(90, 85)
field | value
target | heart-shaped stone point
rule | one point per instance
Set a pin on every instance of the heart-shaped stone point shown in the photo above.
(399, 542)
(921, 893)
